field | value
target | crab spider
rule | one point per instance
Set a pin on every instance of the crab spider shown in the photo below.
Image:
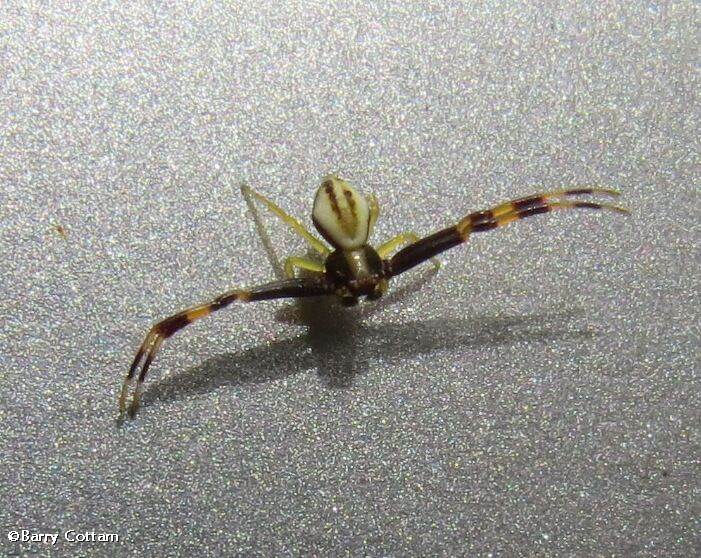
(351, 268)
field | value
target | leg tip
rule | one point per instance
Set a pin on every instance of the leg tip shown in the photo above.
(617, 209)
(123, 397)
(606, 192)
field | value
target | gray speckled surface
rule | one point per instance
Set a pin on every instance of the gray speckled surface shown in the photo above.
(537, 396)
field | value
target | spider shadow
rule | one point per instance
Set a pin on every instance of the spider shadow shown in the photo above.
(339, 345)
(329, 345)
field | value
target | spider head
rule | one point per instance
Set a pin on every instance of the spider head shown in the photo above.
(356, 273)
(371, 288)
(342, 215)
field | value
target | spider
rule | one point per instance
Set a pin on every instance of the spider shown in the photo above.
(351, 268)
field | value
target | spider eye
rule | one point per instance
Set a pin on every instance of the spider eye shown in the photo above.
(379, 290)
(341, 214)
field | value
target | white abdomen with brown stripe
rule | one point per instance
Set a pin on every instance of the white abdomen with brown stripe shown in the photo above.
(341, 214)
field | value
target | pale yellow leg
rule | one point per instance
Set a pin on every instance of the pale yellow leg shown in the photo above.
(291, 221)
(374, 210)
(301, 263)
(388, 247)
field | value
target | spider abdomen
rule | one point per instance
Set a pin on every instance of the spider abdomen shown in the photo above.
(341, 214)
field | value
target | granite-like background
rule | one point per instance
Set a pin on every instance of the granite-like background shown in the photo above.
(539, 396)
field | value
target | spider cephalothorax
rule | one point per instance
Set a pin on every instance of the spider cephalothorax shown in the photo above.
(345, 219)
(356, 272)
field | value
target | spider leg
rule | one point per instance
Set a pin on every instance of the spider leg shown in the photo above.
(374, 210)
(288, 288)
(388, 247)
(544, 197)
(313, 241)
(301, 263)
(490, 219)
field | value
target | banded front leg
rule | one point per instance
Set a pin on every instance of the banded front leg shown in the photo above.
(290, 288)
(498, 216)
